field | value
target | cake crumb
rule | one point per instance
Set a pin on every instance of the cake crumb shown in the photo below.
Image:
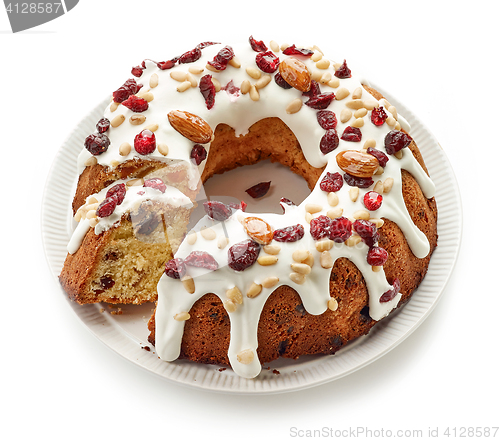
(222, 369)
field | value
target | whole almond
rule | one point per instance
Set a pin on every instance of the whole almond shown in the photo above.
(191, 126)
(356, 163)
(258, 229)
(295, 73)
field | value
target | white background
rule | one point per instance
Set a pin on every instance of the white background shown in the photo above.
(59, 382)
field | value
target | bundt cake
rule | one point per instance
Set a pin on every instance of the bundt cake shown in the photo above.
(245, 288)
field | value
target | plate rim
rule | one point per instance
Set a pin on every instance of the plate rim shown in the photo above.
(185, 372)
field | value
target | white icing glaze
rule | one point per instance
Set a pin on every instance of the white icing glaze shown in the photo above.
(134, 197)
(240, 113)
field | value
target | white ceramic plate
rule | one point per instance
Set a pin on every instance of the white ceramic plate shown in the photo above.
(127, 333)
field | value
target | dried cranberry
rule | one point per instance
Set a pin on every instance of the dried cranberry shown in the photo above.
(232, 90)
(97, 143)
(257, 46)
(145, 142)
(329, 142)
(372, 200)
(103, 125)
(378, 116)
(389, 295)
(156, 183)
(137, 71)
(355, 181)
(320, 227)
(285, 201)
(217, 210)
(341, 229)
(315, 90)
(259, 190)
(107, 206)
(367, 231)
(130, 87)
(396, 140)
(267, 61)
(190, 56)
(118, 191)
(331, 182)
(198, 154)
(175, 268)
(382, 158)
(201, 259)
(280, 81)
(327, 119)
(343, 71)
(377, 256)
(292, 233)
(207, 89)
(169, 64)
(243, 255)
(206, 44)
(293, 50)
(321, 101)
(352, 134)
(241, 206)
(224, 56)
(136, 104)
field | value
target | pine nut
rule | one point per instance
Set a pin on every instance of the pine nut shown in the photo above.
(316, 56)
(370, 143)
(301, 268)
(222, 242)
(353, 240)
(245, 87)
(272, 249)
(392, 110)
(316, 75)
(253, 72)
(234, 62)
(284, 46)
(229, 305)
(267, 260)
(163, 149)
(91, 214)
(335, 82)
(269, 282)
(78, 215)
(263, 81)
(254, 93)
(294, 106)
(397, 126)
(376, 269)
(153, 81)
(208, 233)
(114, 163)
(354, 104)
(300, 255)
(135, 182)
(183, 86)
(333, 199)
(177, 75)
(378, 187)
(152, 127)
(390, 121)
(148, 96)
(125, 149)
(360, 113)
(358, 122)
(299, 279)
(211, 68)
(234, 294)
(117, 120)
(324, 245)
(379, 171)
(196, 70)
(113, 106)
(137, 120)
(324, 63)
(245, 357)
(345, 115)
(354, 193)
(191, 238)
(335, 212)
(188, 283)
(333, 305)
(325, 78)
(254, 290)
(325, 260)
(93, 222)
(182, 316)
(216, 84)
(356, 94)
(192, 80)
(370, 104)
(275, 47)
(399, 154)
(388, 185)
(378, 222)
(308, 217)
(361, 214)
(341, 94)
(313, 208)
